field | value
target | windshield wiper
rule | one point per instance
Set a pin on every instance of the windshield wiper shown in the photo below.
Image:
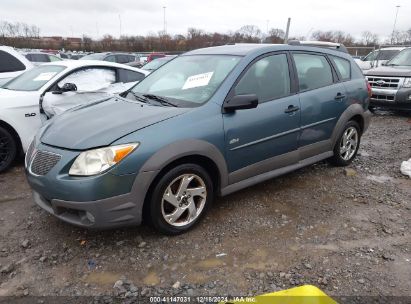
(160, 99)
(138, 97)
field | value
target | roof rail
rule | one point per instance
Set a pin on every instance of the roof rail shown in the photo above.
(322, 44)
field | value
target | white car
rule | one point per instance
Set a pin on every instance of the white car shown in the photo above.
(378, 57)
(52, 88)
(12, 64)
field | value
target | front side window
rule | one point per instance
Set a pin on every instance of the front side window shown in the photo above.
(40, 58)
(268, 78)
(110, 58)
(129, 76)
(9, 63)
(34, 79)
(92, 79)
(371, 56)
(343, 66)
(97, 56)
(313, 71)
(189, 79)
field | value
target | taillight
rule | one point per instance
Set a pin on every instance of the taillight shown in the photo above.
(368, 88)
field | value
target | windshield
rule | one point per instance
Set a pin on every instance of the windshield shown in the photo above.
(97, 56)
(34, 79)
(387, 54)
(402, 58)
(192, 79)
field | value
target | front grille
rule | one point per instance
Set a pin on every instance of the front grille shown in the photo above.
(384, 82)
(43, 162)
(382, 97)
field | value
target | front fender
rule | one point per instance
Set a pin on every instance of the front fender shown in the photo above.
(187, 147)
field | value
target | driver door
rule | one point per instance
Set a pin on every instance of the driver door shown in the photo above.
(89, 83)
(266, 137)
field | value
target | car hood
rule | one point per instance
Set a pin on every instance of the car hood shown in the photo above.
(101, 123)
(394, 71)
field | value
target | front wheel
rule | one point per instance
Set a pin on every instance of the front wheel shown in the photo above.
(347, 145)
(180, 199)
(8, 149)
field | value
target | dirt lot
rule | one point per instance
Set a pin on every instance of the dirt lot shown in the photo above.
(347, 232)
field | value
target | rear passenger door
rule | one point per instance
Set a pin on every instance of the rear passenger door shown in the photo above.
(322, 100)
(266, 137)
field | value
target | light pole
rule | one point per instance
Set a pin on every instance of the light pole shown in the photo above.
(119, 19)
(164, 20)
(395, 23)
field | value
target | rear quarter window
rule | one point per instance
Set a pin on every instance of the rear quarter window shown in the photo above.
(9, 63)
(343, 67)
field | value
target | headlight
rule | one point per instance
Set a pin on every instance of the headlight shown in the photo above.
(407, 83)
(95, 161)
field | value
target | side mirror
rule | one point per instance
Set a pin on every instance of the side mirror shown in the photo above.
(241, 102)
(67, 87)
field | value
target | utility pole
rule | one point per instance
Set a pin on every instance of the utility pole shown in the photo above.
(395, 23)
(119, 19)
(164, 21)
(287, 31)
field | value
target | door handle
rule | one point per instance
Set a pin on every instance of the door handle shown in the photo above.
(291, 109)
(339, 96)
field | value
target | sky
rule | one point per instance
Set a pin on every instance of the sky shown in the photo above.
(140, 17)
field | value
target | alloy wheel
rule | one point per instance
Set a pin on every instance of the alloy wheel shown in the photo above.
(184, 200)
(349, 143)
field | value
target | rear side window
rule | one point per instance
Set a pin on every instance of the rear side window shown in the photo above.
(129, 76)
(38, 57)
(9, 63)
(343, 67)
(313, 71)
(268, 78)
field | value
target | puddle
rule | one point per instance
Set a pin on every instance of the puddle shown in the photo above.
(102, 278)
(151, 279)
(211, 263)
(380, 179)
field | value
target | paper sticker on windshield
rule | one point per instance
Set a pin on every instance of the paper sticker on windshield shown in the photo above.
(45, 76)
(199, 80)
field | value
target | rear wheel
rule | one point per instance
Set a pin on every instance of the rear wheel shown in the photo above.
(180, 199)
(8, 149)
(347, 145)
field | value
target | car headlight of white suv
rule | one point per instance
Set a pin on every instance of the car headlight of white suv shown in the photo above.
(96, 161)
(407, 83)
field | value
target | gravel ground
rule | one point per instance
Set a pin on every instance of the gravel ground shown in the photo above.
(345, 230)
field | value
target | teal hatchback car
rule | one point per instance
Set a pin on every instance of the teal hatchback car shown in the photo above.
(207, 123)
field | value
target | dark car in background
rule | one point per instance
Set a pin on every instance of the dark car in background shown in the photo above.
(112, 57)
(39, 57)
(391, 83)
(208, 123)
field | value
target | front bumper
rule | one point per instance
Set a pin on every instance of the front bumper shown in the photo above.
(394, 99)
(107, 213)
(100, 202)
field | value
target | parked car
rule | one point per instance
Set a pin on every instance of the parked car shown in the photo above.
(156, 63)
(12, 64)
(52, 86)
(378, 57)
(391, 83)
(111, 57)
(208, 123)
(153, 56)
(39, 58)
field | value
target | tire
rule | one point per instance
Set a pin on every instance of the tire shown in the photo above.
(8, 149)
(174, 206)
(345, 153)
